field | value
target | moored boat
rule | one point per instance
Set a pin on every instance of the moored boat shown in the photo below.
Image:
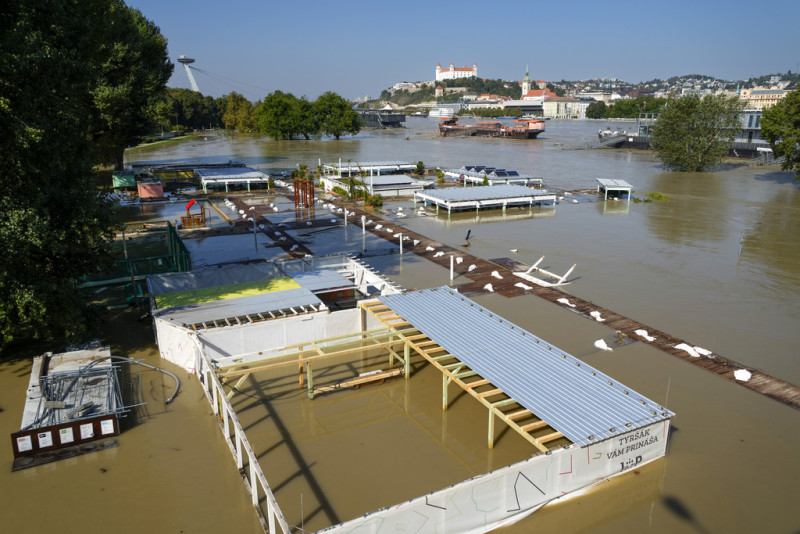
(523, 128)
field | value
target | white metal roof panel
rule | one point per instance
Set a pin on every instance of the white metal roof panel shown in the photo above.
(238, 307)
(618, 184)
(471, 194)
(322, 280)
(576, 399)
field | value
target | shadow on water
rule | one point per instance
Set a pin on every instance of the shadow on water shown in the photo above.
(679, 509)
(778, 177)
(304, 467)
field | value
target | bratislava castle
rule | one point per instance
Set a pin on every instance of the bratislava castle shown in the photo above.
(454, 73)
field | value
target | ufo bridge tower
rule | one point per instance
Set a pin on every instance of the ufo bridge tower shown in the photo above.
(186, 61)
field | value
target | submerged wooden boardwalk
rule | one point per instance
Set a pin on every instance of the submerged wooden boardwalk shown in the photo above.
(482, 275)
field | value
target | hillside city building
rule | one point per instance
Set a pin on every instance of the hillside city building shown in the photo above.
(454, 73)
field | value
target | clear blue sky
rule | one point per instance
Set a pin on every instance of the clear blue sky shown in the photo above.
(357, 48)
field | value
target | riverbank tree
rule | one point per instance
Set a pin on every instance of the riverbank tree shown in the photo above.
(695, 133)
(780, 126)
(131, 68)
(284, 116)
(63, 108)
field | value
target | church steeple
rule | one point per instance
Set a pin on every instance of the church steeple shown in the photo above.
(526, 82)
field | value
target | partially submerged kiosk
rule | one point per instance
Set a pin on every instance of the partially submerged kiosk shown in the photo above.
(583, 426)
(477, 198)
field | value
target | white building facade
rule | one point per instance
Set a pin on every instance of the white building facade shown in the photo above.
(454, 73)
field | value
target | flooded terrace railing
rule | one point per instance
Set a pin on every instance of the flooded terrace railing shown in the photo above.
(240, 447)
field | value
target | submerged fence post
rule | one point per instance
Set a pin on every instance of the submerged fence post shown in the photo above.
(451, 267)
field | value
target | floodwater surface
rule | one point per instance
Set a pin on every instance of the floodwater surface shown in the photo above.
(717, 264)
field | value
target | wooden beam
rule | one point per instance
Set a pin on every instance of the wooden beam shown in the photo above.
(490, 393)
(550, 437)
(516, 415)
(533, 426)
(476, 383)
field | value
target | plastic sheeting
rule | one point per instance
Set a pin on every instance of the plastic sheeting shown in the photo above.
(231, 274)
(507, 495)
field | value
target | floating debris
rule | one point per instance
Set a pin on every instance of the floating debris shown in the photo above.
(644, 334)
(683, 346)
(565, 301)
(742, 375)
(601, 344)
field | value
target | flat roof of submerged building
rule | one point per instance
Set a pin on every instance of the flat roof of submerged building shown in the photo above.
(484, 197)
(574, 398)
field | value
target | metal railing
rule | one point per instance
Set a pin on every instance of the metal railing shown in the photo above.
(240, 447)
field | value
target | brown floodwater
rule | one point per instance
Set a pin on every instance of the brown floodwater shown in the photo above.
(718, 264)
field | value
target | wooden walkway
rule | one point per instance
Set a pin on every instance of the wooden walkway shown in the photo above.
(481, 275)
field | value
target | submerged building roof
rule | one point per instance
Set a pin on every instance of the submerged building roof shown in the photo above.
(485, 195)
(574, 398)
(613, 184)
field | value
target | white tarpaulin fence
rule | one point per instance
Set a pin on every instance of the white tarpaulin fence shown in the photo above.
(509, 494)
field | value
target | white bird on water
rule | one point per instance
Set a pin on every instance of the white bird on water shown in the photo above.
(416, 242)
(429, 248)
(459, 260)
(601, 344)
(472, 267)
(378, 226)
(514, 250)
(438, 254)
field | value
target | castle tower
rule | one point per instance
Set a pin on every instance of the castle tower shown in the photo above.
(526, 82)
(438, 71)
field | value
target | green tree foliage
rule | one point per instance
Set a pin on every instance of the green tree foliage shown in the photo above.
(284, 116)
(56, 86)
(191, 109)
(336, 116)
(131, 71)
(237, 113)
(694, 134)
(596, 110)
(780, 126)
(485, 86)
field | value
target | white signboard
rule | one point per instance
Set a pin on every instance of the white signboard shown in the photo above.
(24, 443)
(45, 439)
(87, 431)
(65, 435)
(107, 427)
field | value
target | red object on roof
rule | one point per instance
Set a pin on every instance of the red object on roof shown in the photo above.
(190, 204)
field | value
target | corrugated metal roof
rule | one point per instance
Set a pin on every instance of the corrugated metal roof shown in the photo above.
(230, 173)
(471, 194)
(388, 179)
(238, 307)
(605, 182)
(321, 280)
(576, 399)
